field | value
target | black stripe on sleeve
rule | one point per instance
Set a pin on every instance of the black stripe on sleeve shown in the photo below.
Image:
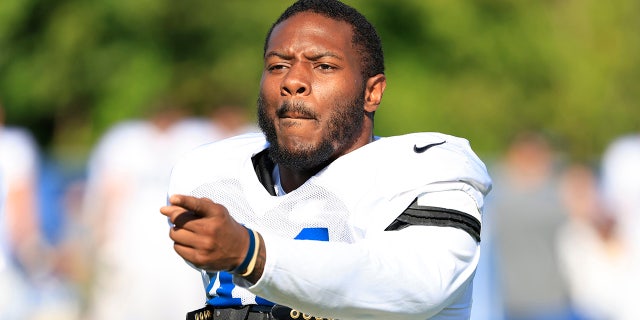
(436, 216)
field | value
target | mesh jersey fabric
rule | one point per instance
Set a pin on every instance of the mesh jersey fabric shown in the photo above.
(359, 194)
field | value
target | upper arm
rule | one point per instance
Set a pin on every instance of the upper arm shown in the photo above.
(452, 208)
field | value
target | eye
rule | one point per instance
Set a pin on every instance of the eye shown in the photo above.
(276, 68)
(325, 66)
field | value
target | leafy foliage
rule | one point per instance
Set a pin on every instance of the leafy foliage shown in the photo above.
(483, 69)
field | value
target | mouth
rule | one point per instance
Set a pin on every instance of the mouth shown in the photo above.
(295, 116)
(296, 111)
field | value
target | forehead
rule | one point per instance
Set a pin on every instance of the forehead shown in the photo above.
(308, 31)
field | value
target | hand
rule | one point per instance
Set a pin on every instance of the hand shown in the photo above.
(205, 234)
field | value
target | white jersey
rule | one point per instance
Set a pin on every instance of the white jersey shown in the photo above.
(358, 271)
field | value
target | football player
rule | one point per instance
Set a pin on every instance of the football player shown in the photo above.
(317, 215)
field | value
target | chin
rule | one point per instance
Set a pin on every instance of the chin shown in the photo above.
(302, 156)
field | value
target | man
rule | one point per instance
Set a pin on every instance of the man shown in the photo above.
(126, 179)
(21, 247)
(318, 214)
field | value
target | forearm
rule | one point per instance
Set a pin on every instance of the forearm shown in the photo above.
(379, 277)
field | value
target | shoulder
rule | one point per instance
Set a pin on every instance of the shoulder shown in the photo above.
(216, 160)
(125, 129)
(18, 147)
(19, 153)
(119, 140)
(426, 143)
(620, 169)
(17, 137)
(198, 130)
(122, 136)
(385, 176)
(424, 153)
(428, 157)
(620, 160)
(622, 148)
(230, 149)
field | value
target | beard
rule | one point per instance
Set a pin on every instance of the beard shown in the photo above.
(342, 129)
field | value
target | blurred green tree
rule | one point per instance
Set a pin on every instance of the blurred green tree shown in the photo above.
(483, 69)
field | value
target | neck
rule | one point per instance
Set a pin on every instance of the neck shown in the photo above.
(291, 179)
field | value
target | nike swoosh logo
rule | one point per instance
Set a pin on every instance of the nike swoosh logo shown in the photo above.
(425, 148)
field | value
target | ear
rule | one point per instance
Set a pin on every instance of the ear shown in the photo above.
(373, 92)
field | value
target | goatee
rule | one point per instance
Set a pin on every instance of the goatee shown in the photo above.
(342, 129)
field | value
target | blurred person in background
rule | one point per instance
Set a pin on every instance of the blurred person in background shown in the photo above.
(590, 249)
(8, 274)
(232, 120)
(223, 121)
(22, 258)
(487, 294)
(127, 175)
(621, 187)
(601, 245)
(525, 212)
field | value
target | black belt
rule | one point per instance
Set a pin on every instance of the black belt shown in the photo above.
(252, 312)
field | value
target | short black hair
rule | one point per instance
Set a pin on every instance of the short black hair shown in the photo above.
(365, 38)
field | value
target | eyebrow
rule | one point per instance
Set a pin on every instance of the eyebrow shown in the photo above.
(313, 57)
(277, 54)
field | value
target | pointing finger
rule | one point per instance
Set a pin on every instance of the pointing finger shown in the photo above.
(172, 212)
(199, 206)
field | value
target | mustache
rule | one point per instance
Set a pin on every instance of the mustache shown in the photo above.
(298, 107)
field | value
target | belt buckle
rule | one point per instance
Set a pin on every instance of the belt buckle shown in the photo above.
(205, 313)
(211, 313)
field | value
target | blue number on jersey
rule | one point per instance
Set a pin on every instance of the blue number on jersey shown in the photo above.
(224, 298)
(320, 234)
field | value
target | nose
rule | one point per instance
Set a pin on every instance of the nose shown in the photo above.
(296, 82)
